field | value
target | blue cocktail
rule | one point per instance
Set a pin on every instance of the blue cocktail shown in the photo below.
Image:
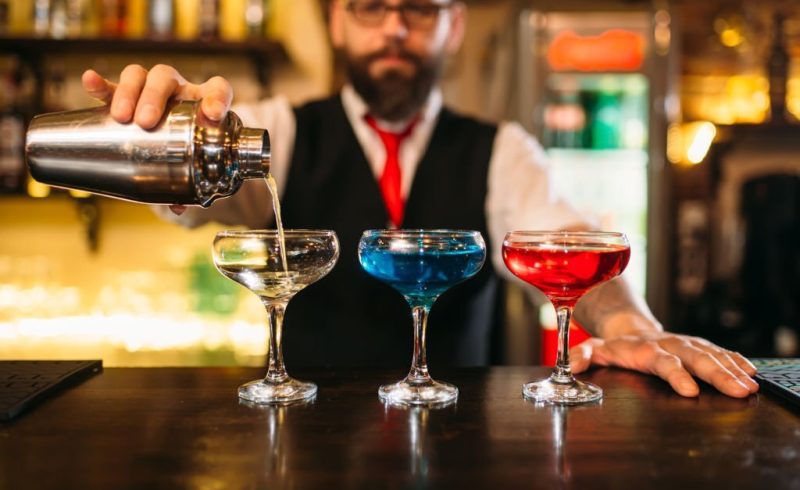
(421, 265)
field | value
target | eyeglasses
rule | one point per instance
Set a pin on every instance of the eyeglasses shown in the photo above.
(415, 15)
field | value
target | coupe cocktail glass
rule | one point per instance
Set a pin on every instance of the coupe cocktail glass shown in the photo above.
(564, 266)
(421, 265)
(253, 259)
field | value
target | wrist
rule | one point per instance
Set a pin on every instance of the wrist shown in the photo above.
(629, 323)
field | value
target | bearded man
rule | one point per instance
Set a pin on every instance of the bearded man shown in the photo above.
(385, 152)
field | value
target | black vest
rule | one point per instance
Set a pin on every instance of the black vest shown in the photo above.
(348, 318)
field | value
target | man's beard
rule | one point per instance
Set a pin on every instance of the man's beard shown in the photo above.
(394, 96)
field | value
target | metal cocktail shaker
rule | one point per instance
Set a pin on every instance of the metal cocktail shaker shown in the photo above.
(185, 159)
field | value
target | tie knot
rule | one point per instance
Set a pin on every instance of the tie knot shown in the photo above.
(390, 181)
(391, 139)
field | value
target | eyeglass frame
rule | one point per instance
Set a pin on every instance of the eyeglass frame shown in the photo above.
(401, 9)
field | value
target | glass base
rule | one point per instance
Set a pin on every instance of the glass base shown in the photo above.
(428, 393)
(262, 391)
(574, 393)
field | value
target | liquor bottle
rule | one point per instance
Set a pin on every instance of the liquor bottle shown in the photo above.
(91, 18)
(136, 19)
(209, 10)
(254, 18)
(76, 13)
(12, 168)
(12, 129)
(778, 72)
(265, 32)
(5, 17)
(112, 18)
(185, 159)
(232, 24)
(58, 19)
(41, 17)
(187, 19)
(20, 17)
(162, 17)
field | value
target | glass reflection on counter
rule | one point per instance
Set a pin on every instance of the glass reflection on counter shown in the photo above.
(279, 445)
(559, 414)
(419, 445)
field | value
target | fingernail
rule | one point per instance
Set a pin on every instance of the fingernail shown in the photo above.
(688, 388)
(216, 110)
(744, 386)
(123, 109)
(748, 381)
(149, 114)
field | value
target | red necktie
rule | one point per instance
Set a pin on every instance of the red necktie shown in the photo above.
(390, 182)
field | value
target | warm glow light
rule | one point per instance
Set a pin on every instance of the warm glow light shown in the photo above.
(726, 99)
(79, 194)
(703, 137)
(675, 143)
(51, 337)
(37, 189)
(793, 97)
(730, 29)
(123, 327)
(688, 144)
(731, 37)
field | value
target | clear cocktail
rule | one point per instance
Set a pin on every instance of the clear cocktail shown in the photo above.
(254, 260)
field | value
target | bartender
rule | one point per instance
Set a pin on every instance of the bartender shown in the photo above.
(386, 152)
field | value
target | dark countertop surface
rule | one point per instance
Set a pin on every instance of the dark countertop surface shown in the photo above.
(185, 428)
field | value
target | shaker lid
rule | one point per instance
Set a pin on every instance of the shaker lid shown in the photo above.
(254, 153)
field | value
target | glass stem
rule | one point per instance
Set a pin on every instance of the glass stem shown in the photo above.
(276, 372)
(419, 363)
(562, 372)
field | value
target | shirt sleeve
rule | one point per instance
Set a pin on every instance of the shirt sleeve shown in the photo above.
(520, 194)
(251, 205)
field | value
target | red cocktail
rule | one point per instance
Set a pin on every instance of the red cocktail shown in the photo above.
(564, 266)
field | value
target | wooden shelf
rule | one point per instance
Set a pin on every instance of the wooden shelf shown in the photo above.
(262, 47)
(262, 52)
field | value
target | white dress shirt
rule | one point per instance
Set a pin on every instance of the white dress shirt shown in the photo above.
(520, 192)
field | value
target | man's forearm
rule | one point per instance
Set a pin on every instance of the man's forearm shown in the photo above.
(613, 309)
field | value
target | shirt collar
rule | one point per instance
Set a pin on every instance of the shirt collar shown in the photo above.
(356, 109)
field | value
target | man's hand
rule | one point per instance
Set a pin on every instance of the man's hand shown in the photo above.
(142, 94)
(675, 358)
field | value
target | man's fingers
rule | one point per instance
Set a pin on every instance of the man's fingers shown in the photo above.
(670, 368)
(162, 83)
(97, 86)
(744, 363)
(217, 95)
(142, 95)
(580, 356)
(131, 82)
(674, 358)
(707, 367)
(740, 373)
(725, 358)
(178, 209)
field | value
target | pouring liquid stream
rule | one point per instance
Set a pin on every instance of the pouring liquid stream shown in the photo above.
(272, 186)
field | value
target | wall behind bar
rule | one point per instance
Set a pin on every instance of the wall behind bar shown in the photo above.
(148, 294)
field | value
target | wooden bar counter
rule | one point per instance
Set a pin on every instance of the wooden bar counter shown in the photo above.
(185, 428)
